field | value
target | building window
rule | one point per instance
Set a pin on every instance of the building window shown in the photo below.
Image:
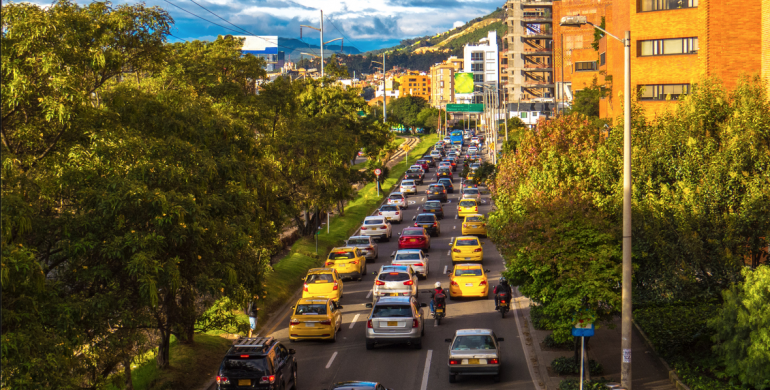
(412, 79)
(477, 56)
(663, 47)
(662, 5)
(602, 59)
(477, 67)
(491, 55)
(441, 84)
(587, 66)
(505, 61)
(663, 91)
(478, 78)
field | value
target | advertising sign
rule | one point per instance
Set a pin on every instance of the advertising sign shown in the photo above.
(463, 82)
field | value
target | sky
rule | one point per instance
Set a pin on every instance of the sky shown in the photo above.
(364, 24)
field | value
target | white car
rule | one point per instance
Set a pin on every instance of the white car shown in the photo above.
(473, 150)
(472, 193)
(415, 258)
(417, 167)
(391, 212)
(398, 199)
(408, 187)
(378, 227)
(475, 141)
(395, 281)
(447, 140)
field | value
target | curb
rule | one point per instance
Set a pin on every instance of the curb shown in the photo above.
(672, 376)
(539, 377)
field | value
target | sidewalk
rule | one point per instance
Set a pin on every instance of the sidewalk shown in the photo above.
(648, 372)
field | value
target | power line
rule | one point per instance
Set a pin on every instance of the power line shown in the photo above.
(170, 34)
(200, 17)
(223, 19)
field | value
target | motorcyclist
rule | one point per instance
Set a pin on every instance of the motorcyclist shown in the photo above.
(437, 290)
(502, 288)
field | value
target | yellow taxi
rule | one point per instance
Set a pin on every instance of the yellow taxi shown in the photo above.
(474, 225)
(467, 248)
(468, 280)
(349, 262)
(315, 318)
(467, 207)
(471, 175)
(322, 283)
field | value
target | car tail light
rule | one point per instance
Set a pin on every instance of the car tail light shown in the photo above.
(267, 380)
(476, 208)
(379, 283)
(398, 213)
(465, 225)
(483, 283)
(454, 283)
(354, 262)
(502, 302)
(363, 228)
(336, 286)
(436, 223)
(477, 250)
(222, 380)
(415, 323)
(408, 283)
(369, 324)
(294, 321)
(329, 263)
(325, 322)
(493, 361)
(456, 250)
(379, 213)
(415, 224)
(419, 265)
(454, 362)
(304, 288)
(370, 248)
(383, 227)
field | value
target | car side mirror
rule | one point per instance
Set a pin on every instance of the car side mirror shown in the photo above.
(292, 352)
(340, 307)
(302, 278)
(423, 305)
(292, 308)
(487, 271)
(399, 234)
(369, 305)
(448, 340)
(500, 339)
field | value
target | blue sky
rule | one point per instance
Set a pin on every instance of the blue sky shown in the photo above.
(365, 24)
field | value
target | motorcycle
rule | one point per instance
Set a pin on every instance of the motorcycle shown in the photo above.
(439, 308)
(504, 302)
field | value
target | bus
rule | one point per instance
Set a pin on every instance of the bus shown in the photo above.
(457, 137)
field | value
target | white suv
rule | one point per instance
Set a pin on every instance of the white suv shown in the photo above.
(395, 281)
(408, 187)
(377, 227)
(398, 199)
(391, 212)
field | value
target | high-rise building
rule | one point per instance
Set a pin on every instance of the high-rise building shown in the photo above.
(442, 78)
(528, 50)
(481, 59)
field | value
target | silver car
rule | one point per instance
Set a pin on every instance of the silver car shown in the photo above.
(377, 227)
(474, 352)
(366, 245)
(414, 258)
(391, 212)
(398, 199)
(395, 320)
(395, 281)
(408, 187)
(472, 193)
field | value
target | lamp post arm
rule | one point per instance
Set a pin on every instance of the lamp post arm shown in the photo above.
(606, 32)
(335, 39)
(314, 28)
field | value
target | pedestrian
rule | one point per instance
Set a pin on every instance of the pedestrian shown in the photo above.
(252, 311)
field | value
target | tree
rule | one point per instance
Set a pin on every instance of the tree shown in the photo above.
(742, 328)
(334, 69)
(586, 101)
(405, 111)
(429, 118)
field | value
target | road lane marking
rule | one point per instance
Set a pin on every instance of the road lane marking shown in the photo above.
(426, 371)
(334, 355)
(445, 269)
(454, 227)
(369, 295)
(423, 199)
(449, 253)
(354, 321)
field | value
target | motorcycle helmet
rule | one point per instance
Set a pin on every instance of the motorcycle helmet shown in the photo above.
(438, 285)
(503, 281)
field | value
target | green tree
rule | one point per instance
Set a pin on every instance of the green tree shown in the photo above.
(405, 111)
(742, 328)
(332, 68)
(586, 101)
(429, 118)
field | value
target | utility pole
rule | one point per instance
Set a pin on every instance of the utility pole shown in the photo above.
(385, 92)
(322, 39)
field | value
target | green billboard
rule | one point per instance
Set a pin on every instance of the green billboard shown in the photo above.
(463, 82)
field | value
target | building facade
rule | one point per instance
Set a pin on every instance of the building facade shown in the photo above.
(415, 84)
(442, 78)
(528, 50)
(481, 59)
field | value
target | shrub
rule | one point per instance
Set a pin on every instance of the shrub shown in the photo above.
(551, 343)
(675, 329)
(574, 384)
(539, 320)
(570, 366)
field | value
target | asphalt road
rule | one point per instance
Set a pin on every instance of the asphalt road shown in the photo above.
(401, 367)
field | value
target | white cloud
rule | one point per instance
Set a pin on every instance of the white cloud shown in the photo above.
(458, 24)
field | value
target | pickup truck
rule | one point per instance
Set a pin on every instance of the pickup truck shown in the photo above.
(414, 174)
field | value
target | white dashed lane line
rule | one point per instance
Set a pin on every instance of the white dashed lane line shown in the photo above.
(369, 295)
(334, 355)
(445, 268)
(352, 323)
(426, 371)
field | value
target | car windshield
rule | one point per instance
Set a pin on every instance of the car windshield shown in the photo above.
(407, 256)
(436, 188)
(358, 241)
(467, 203)
(373, 222)
(445, 181)
(389, 208)
(442, 170)
(381, 311)
(396, 197)
(393, 276)
(407, 183)
(341, 255)
(467, 242)
(432, 205)
(310, 309)
(473, 342)
(474, 219)
(319, 278)
(426, 218)
(257, 366)
(472, 191)
(467, 272)
(412, 232)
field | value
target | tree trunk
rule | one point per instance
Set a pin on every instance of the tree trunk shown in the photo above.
(189, 316)
(127, 373)
(163, 348)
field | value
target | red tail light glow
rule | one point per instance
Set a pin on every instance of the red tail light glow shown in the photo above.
(379, 283)
(493, 361)
(454, 283)
(244, 356)
(383, 227)
(304, 288)
(419, 265)
(294, 321)
(456, 250)
(453, 362)
(465, 225)
(397, 213)
(379, 213)
(336, 286)
(363, 228)
(415, 323)
(222, 380)
(483, 283)
(476, 208)
(408, 283)
(354, 262)
(329, 263)
(326, 322)
(369, 324)
(477, 250)
(267, 379)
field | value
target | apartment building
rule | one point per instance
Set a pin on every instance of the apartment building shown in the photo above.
(676, 42)
(415, 84)
(766, 42)
(481, 59)
(527, 69)
(442, 78)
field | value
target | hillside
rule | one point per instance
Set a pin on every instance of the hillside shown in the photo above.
(298, 46)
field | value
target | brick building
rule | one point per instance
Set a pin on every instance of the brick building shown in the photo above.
(442, 78)
(766, 42)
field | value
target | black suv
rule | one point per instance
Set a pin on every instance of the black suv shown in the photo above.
(429, 222)
(414, 175)
(258, 363)
(436, 192)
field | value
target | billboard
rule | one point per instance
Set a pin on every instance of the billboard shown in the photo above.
(463, 82)
(259, 44)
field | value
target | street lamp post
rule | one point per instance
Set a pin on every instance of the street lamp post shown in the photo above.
(384, 90)
(625, 367)
(322, 39)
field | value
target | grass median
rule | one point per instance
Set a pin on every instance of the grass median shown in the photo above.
(192, 365)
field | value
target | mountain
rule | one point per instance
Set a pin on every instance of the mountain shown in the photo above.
(294, 47)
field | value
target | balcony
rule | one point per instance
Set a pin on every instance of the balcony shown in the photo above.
(537, 19)
(537, 84)
(536, 4)
(537, 68)
(547, 35)
(537, 52)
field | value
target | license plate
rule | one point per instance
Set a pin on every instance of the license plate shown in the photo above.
(474, 226)
(412, 240)
(467, 258)
(244, 382)
(469, 284)
(473, 361)
(309, 324)
(393, 294)
(435, 193)
(392, 323)
(439, 310)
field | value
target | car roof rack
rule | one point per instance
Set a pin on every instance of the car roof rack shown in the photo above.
(246, 344)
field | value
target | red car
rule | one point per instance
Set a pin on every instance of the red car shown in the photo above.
(423, 164)
(414, 238)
